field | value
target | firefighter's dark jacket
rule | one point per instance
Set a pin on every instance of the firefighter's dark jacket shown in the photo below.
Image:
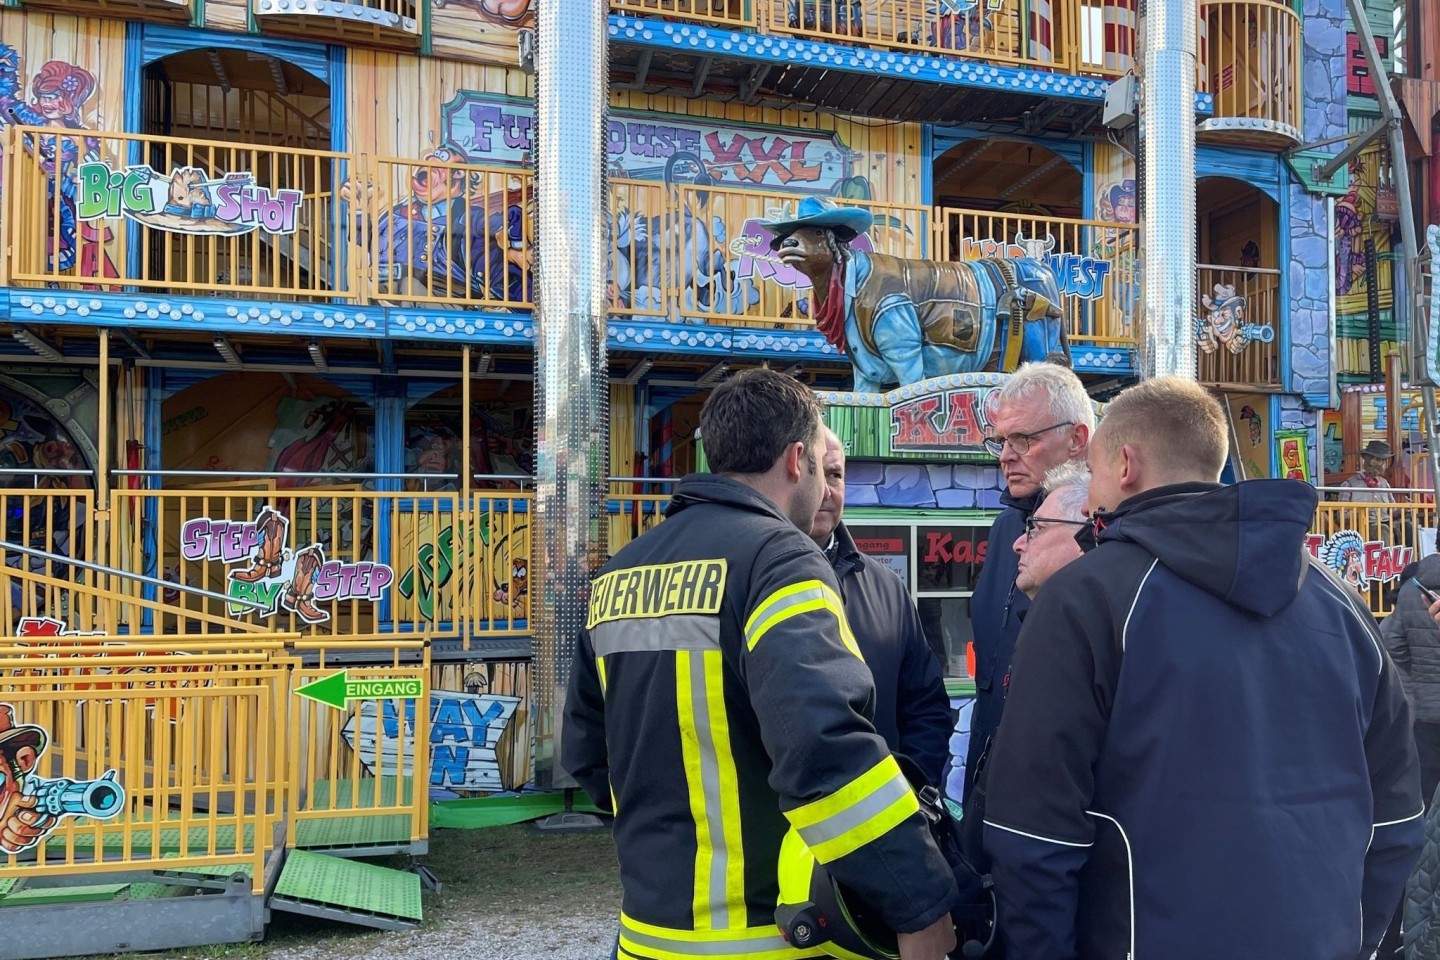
(717, 700)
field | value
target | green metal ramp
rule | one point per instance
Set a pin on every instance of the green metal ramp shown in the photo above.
(317, 885)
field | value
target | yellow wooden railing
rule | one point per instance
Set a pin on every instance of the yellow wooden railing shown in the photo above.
(1100, 281)
(730, 13)
(1252, 52)
(1369, 544)
(1228, 353)
(378, 21)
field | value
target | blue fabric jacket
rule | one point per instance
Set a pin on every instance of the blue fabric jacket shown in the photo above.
(912, 710)
(1207, 752)
(995, 610)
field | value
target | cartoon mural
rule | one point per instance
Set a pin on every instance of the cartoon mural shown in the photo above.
(1249, 447)
(1292, 450)
(485, 30)
(1363, 247)
(451, 235)
(31, 807)
(278, 577)
(499, 559)
(61, 95)
(1357, 561)
(295, 424)
(501, 439)
(903, 321)
(1224, 322)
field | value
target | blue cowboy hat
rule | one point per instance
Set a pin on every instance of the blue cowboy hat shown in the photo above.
(847, 222)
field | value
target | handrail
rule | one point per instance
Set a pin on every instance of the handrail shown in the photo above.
(1269, 271)
(123, 574)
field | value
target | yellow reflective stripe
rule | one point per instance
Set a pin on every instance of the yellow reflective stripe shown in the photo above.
(729, 785)
(600, 669)
(866, 808)
(792, 601)
(694, 785)
(643, 940)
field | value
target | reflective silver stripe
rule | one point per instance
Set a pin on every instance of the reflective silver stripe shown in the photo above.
(706, 948)
(838, 824)
(710, 785)
(653, 634)
(768, 612)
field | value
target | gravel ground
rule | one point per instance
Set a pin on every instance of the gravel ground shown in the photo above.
(511, 893)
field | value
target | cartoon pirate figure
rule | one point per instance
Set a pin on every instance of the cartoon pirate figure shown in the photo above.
(1225, 323)
(22, 823)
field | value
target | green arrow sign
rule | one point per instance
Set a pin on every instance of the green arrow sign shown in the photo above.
(338, 689)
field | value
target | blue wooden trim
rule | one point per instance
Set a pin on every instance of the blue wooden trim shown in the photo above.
(927, 177)
(162, 40)
(1320, 401)
(1267, 171)
(1270, 458)
(134, 123)
(1087, 175)
(339, 99)
(1285, 345)
(211, 315)
(790, 51)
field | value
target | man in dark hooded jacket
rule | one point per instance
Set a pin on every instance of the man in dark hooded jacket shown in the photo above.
(1043, 419)
(1206, 751)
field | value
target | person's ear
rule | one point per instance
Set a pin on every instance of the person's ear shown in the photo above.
(1131, 468)
(1079, 440)
(794, 460)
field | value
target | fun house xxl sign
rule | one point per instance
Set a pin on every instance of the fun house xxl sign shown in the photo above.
(500, 130)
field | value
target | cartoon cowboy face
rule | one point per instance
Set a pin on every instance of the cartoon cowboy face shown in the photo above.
(434, 184)
(21, 825)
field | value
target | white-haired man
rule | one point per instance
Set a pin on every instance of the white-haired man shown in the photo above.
(1048, 542)
(1044, 419)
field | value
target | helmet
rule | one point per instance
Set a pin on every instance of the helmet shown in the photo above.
(816, 911)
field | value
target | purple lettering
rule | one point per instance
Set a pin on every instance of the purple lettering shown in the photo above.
(615, 136)
(228, 209)
(193, 537)
(517, 131)
(327, 580)
(483, 119)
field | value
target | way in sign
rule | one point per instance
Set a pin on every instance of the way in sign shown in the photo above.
(337, 689)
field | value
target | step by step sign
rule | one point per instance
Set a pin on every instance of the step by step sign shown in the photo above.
(338, 689)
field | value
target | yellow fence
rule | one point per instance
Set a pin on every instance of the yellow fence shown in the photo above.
(1238, 306)
(1253, 50)
(731, 13)
(1369, 544)
(142, 758)
(1100, 282)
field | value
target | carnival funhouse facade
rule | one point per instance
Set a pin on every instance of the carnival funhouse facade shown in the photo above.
(267, 271)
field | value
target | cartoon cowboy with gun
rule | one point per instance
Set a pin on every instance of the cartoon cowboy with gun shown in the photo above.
(31, 808)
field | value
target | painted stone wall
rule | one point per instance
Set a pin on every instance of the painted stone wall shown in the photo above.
(947, 486)
(1324, 116)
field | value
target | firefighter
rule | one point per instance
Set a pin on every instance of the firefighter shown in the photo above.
(718, 700)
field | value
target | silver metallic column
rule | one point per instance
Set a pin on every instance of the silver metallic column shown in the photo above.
(1168, 55)
(572, 389)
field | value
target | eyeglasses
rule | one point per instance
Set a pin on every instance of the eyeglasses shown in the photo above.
(1033, 524)
(1020, 442)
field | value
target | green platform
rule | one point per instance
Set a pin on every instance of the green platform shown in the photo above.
(87, 893)
(317, 885)
(341, 794)
(389, 831)
(143, 838)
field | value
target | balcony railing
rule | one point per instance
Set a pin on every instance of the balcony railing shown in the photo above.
(1367, 545)
(1251, 54)
(161, 213)
(1093, 260)
(125, 212)
(1239, 309)
(385, 22)
(730, 13)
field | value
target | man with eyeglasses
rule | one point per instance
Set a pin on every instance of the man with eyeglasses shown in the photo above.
(1207, 752)
(1048, 542)
(1043, 420)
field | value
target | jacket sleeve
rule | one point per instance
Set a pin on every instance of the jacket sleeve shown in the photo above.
(583, 753)
(839, 786)
(1395, 786)
(1392, 631)
(924, 706)
(1040, 778)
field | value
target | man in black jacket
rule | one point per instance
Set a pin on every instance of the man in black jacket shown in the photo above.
(1206, 752)
(1044, 419)
(912, 710)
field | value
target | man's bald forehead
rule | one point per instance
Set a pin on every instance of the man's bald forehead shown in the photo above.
(833, 445)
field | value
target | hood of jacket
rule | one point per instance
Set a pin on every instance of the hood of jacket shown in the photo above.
(1243, 543)
(696, 488)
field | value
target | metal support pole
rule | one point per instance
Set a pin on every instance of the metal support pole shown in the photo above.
(1166, 161)
(572, 399)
